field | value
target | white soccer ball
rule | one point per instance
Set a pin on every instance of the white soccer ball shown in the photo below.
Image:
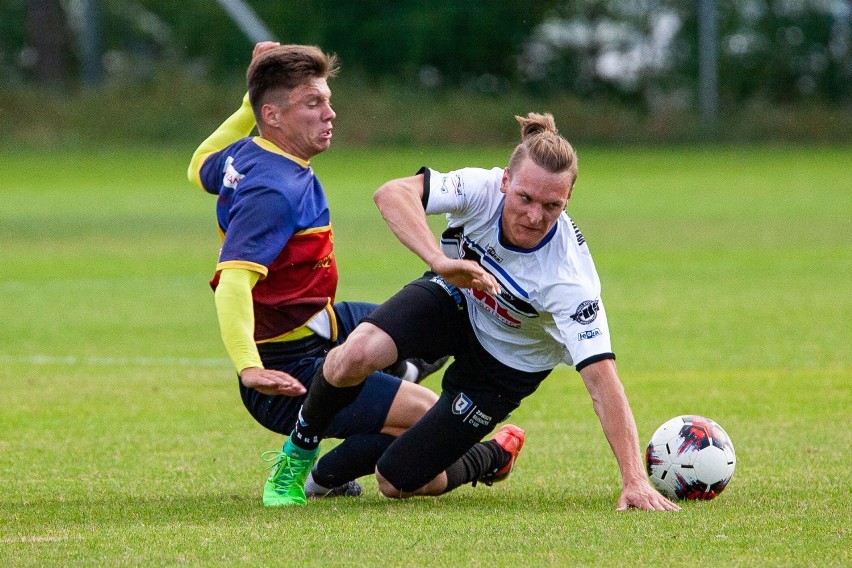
(690, 457)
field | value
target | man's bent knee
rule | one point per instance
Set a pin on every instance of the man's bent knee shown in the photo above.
(435, 487)
(387, 489)
(367, 349)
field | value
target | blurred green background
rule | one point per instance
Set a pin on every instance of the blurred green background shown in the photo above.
(436, 71)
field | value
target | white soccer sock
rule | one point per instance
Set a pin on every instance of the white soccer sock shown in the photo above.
(314, 488)
(411, 372)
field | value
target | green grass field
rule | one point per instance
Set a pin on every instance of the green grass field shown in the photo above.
(123, 441)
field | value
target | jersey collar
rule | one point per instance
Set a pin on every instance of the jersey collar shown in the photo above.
(271, 147)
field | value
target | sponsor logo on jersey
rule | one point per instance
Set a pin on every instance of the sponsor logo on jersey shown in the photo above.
(488, 303)
(474, 251)
(588, 334)
(452, 184)
(518, 305)
(231, 176)
(507, 303)
(461, 404)
(324, 262)
(586, 312)
(580, 238)
(493, 253)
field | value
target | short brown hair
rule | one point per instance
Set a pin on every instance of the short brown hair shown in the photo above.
(284, 67)
(541, 142)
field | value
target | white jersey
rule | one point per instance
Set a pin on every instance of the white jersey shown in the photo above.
(549, 309)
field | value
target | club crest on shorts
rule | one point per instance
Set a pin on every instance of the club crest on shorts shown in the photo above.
(461, 404)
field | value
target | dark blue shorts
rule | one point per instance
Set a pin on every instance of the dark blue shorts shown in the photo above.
(301, 359)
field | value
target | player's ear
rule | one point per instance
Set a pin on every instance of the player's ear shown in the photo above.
(271, 114)
(504, 184)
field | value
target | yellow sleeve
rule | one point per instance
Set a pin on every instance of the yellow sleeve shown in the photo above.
(238, 125)
(235, 310)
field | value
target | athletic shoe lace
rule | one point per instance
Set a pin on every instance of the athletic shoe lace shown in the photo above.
(284, 474)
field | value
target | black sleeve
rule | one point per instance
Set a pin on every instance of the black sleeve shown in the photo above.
(593, 359)
(426, 172)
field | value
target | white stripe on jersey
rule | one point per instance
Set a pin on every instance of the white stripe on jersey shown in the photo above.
(549, 309)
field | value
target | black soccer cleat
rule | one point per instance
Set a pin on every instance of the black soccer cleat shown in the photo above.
(348, 489)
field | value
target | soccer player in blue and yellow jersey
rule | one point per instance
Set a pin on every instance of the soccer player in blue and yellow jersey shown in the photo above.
(276, 276)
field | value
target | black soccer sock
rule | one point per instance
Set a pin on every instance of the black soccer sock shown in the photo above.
(481, 458)
(355, 457)
(323, 402)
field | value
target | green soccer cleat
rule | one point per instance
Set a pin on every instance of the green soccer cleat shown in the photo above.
(286, 483)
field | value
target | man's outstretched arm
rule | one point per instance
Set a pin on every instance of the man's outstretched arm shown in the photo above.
(613, 410)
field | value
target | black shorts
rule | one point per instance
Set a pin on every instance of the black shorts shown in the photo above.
(428, 319)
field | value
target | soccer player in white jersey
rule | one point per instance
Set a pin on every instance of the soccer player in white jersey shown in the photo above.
(512, 291)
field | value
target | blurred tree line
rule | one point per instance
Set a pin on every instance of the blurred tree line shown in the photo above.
(639, 53)
(637, 50)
